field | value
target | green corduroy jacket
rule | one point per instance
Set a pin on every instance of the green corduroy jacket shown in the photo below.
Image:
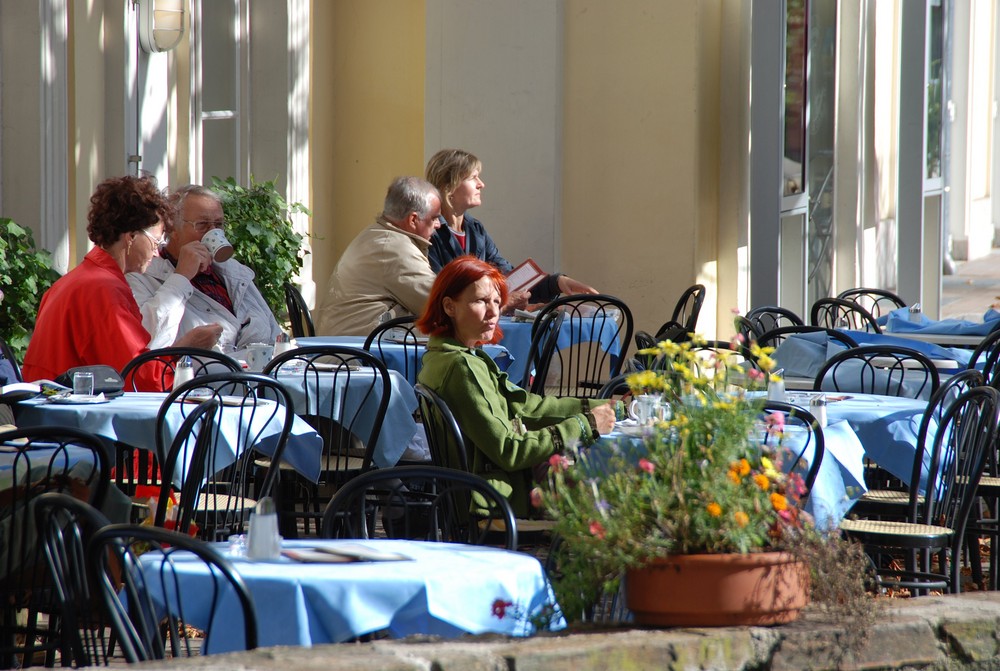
(508, 430)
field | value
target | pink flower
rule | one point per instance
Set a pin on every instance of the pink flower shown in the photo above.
(737, 340)
(558, 462)
(500, 608)
(536, 497)
(775, 422)
(597, 529)
(755, 375)
(647, 465)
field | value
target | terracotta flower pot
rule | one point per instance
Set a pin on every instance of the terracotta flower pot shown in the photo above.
(718, 590)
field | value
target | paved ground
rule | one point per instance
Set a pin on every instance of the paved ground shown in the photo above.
(975, 286)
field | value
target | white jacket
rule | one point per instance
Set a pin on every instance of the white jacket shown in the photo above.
(171, 306)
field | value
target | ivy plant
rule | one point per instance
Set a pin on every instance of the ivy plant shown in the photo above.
(25, 274)
(258, 225)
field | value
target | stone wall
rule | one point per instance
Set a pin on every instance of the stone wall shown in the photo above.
(947, 632)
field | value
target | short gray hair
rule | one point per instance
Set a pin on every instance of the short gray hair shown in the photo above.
(180, 194)
(409, 194)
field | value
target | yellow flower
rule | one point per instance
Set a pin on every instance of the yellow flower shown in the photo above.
(765, 363)
(762, 481)
(714, 509)
(697, 340)
(769, 469)
(742, 519)
(779, 502)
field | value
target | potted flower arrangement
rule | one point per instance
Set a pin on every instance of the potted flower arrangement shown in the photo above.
(701, 504)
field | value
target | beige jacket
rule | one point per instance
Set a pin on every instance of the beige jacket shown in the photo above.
(384, 270)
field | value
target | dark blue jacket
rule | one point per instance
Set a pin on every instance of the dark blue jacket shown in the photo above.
(478, 243)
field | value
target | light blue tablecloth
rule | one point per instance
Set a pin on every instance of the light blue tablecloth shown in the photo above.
(398, 427)
(131, 419)
(899, 321)
(393, 355)
(446, 590)
(517, 339)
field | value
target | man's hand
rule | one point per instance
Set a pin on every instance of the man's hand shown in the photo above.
(568, 285)
(193, 259)
(605, 416)
(203, 337)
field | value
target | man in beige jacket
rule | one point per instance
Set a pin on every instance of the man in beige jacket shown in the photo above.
(384, 272)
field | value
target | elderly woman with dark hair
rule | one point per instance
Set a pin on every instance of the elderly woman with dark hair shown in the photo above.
(456, 174)
(89, 316)
(511, 431)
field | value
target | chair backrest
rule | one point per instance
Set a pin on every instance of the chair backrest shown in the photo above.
(959, 452)
(878, 302)
(986, 358)
(349, 423)
(775, 337)
(952, 388)
(747, 329)
(616, 386)
(688, 308)
(65, 527)
(162, 362)
(34, 461)
(887, 370)
(444, 437)
(298, 312)
(7, 353)
(813, 443)
(769, 317)
(210, 460)
(179, 582)
(400, 331)
(834, 313)
(421, 503)
(577, 358)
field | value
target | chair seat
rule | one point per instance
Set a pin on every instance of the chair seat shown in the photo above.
(989, 485)
(887, 497)
(215, 502)
(897, 534)
(524, 525)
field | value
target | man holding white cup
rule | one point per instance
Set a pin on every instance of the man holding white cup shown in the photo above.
(195, 282)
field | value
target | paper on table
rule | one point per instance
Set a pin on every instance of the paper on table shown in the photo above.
(525, 276)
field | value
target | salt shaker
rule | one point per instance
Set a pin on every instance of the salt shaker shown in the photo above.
(282, 343)
(817, 406)
(263, 541)
(915, 313)
(184, 372)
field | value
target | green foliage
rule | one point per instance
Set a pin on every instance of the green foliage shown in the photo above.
(258, 225)
(25, 274)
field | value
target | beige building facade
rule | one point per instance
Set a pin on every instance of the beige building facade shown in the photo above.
(773, 151)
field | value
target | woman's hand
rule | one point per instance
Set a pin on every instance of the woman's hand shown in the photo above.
(568, 285)
(516, 300)
(605, 416)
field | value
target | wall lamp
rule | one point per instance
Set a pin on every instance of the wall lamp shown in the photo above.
(161, 24)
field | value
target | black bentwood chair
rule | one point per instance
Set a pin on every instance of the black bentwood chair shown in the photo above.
(399, 331)
(886, 370)
(152, 607)
(769, 317)
(839, 313)
(879, 302)
(298, 312)
(427, 503)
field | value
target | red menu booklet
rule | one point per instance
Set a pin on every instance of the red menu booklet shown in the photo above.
(525, 276)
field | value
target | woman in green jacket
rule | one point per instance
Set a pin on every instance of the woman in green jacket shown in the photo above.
(510, 430)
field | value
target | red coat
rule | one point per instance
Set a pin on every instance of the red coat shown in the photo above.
(89, 317)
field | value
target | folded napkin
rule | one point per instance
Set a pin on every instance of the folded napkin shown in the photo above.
(803, 354)
(899, 322)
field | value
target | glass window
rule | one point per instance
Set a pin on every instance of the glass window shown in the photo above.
(795, 97)
(935, 88)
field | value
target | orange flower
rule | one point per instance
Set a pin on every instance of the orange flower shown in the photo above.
(744, 467)
(742, 519)
(779, 502)
(734, 476)
(761, 481)
(714, 509)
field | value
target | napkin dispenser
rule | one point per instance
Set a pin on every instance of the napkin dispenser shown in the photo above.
(263, 540)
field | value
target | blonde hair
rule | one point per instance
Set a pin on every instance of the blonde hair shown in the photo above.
(450, 167)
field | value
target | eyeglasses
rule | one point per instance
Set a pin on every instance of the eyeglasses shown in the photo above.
(158, 242)
(203, 226)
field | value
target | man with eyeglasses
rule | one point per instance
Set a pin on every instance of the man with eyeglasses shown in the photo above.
(184, 289)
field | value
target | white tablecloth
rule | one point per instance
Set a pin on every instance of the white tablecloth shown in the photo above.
(446, 590)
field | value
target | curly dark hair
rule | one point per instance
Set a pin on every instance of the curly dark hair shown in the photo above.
(125, 205)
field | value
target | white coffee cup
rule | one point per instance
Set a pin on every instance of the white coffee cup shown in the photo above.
(646, 408)
(220, 248)
(257, 355)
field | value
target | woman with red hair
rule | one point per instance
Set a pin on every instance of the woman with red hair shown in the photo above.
(510, 430)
